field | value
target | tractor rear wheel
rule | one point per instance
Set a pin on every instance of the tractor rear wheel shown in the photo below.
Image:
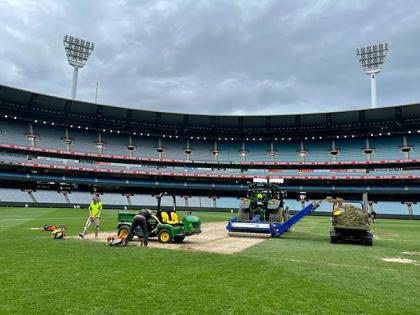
(124, 231)
(243, 216)
(274, 216)
(164, 236)
(179, 238)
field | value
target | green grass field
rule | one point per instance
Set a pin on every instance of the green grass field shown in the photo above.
(300, 273)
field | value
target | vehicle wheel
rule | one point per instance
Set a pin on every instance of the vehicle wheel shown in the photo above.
(179, 238)
(274, 216)
(124, 231)
(286, 216)
(367, 241)
(243, 216)
(164, 236)
(334, 239)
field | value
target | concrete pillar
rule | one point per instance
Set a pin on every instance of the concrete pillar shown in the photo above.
(409, 205)
(186, 201)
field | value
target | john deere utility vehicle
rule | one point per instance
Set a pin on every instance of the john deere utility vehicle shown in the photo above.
(169, 228)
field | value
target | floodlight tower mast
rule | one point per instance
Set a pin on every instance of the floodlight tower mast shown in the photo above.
(371, 59)
(78, 52)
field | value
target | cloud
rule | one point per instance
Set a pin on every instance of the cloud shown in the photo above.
(217, 57)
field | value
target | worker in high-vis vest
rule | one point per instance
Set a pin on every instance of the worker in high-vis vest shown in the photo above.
(95, 211)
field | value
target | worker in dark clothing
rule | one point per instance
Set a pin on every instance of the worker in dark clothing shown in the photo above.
(373, 215)
(140, 220)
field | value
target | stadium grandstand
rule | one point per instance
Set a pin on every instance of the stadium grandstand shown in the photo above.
(54, 150)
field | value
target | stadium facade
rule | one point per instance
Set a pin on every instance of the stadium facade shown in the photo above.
(68, 146)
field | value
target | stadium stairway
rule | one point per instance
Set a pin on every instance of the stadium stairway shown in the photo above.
(129, 200)
(66, 197)
(31, 196)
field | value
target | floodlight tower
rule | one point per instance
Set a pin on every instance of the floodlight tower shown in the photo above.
(371, 59)
(78, 52)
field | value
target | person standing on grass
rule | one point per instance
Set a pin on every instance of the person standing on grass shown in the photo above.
(95, 211)
(373, 215)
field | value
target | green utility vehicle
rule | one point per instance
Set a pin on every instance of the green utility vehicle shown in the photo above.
(169, 228)
(264, 201)
(350, 224)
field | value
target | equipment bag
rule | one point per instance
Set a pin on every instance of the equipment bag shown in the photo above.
(115, 240)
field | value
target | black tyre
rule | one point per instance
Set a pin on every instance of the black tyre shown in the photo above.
(243, 216)
(179, 238)
(164, 236)
(368, 241)
(124, 231)
(285, 217)
(334, 239)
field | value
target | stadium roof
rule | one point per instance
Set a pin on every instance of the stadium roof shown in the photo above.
(30, 105)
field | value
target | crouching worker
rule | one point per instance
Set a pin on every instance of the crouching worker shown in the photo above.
(95, 211)
(140, 220)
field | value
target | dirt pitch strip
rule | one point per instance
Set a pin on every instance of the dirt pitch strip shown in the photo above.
(213, 239)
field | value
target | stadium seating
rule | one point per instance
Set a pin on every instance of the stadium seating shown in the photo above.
(13, 132)
(351, 149)
(49, 196)
(117, 199)
(52, 137)
(113, 199)
(16, 158)
(49, 138)
(83, 141)
(115, 144)
(13, 194)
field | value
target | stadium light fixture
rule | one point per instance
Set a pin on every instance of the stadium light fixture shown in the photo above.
(371, 59)
(78, 52)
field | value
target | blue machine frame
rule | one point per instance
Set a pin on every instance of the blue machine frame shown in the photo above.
(256, 226)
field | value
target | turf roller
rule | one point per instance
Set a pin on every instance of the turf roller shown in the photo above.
(252, 229)
(256, 228)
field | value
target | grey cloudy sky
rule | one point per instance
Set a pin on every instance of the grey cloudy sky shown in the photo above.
(220, 57)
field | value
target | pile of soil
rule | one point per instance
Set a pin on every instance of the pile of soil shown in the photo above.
(351, 216)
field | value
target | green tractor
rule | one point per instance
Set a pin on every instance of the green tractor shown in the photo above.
(170, 227)
(264, 202)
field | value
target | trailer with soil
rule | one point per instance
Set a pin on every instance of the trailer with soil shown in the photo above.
(350, 224)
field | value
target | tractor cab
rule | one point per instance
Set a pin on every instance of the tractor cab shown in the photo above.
(262, 194)
(264, 202)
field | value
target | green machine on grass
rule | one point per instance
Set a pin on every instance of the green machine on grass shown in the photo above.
(169, 228)
(350, 223)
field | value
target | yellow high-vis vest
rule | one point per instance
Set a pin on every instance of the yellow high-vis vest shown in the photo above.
(96, 209)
